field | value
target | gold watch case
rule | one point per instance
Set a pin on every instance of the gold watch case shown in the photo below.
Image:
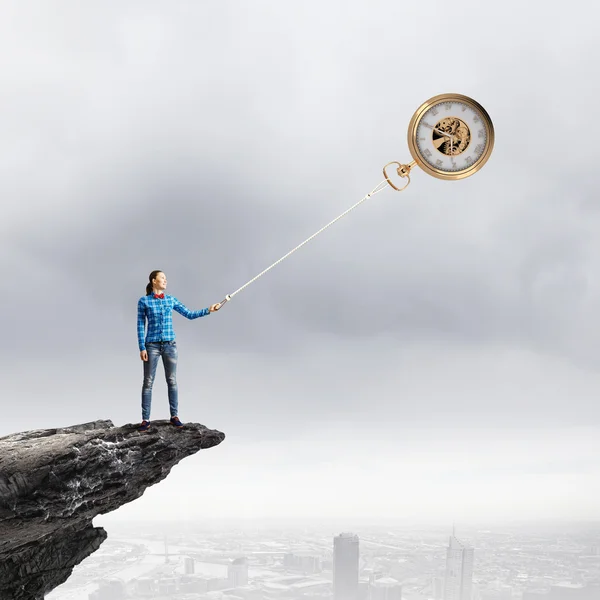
(451, 135)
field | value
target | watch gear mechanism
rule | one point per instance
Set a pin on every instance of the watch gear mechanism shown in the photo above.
(457, 133)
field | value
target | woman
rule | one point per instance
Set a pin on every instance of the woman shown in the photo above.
(157, 308)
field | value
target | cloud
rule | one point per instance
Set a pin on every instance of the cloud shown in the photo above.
(208, 141)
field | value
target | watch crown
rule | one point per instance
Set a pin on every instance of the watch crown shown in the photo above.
(403, 170)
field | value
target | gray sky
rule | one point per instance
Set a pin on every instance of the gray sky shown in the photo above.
(435, 352)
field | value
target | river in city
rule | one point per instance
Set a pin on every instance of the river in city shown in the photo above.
(131, 569)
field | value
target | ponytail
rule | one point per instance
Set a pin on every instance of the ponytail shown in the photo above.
(149, 286)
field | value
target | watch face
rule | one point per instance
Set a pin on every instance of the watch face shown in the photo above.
(450, 136)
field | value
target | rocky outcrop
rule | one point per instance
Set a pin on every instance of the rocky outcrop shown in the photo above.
(53, 482)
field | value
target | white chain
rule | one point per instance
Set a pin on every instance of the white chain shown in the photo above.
(374, 191)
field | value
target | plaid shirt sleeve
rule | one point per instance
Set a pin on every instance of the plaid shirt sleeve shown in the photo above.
(141, 324)
(186, 312)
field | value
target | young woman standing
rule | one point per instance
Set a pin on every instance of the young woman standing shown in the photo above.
(158, 341)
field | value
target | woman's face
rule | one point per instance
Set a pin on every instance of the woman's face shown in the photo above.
(160, 281)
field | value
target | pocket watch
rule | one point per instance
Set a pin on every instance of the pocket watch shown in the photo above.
(450, 136)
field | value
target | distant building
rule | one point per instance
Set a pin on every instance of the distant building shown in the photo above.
(385, 588)
(167, 586)
(458, 581)
(574, 591)
(288, 560)
(188, 565)
(371, 574)
(302, 561)
(113, 589)
(345, 566)
(437, 588)
(237, 573)
(144, 586)
(504, 593)
(193, 584)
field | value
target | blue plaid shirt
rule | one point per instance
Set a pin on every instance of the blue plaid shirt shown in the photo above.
(159, 313)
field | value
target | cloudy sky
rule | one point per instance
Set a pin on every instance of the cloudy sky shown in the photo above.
(434, 355)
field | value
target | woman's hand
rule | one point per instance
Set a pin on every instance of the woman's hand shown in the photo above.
(214, 307)
(144, 355)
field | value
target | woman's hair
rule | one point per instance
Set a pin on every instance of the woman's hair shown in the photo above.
(150, 278)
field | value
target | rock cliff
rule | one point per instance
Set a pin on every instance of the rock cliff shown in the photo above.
(53, 482)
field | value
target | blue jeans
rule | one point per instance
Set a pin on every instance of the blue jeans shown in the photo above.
(168, 351)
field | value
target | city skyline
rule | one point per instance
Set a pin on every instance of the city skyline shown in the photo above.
(392, 564)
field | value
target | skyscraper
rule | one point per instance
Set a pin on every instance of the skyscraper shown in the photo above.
(458, 582)
(345, 566)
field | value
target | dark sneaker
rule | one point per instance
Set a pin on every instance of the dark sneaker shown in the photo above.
(175, 421)
(144, 426)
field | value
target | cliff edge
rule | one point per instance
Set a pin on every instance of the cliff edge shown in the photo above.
(53, 482)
